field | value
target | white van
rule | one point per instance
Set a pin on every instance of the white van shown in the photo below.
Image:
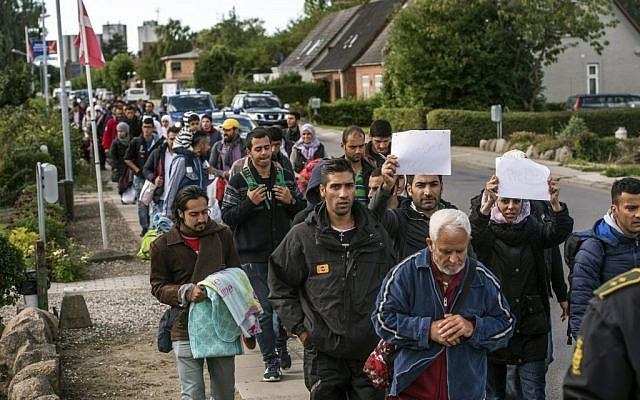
(135, 94)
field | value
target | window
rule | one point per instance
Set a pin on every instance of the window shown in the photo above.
(176, 67)
(377, 82)
(593, 79)
(365, 86)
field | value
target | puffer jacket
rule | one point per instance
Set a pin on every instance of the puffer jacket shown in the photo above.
(515, 254)
(319, 287)
(410, 299)
(604, 254)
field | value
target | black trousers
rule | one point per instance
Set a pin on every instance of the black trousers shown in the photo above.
(329, 378)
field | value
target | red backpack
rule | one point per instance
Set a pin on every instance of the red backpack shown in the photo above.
(305, 175)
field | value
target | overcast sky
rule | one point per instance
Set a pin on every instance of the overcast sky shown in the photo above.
(196, 14)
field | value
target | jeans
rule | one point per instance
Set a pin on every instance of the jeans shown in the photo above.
(526, 381)
(257, 273)
(143, 211)
(190, 372)
(332, 378)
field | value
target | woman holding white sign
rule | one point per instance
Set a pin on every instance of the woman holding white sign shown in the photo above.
(512, 245)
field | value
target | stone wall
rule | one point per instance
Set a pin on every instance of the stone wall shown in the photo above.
(29, 361)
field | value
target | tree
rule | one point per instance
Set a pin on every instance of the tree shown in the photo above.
(455, 53)
(116, 71)
(213, 67)
(117, 45)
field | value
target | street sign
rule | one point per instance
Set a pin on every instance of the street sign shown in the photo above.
(38, 49)
(496, 113)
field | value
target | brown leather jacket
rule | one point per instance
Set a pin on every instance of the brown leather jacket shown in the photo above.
(173, 263)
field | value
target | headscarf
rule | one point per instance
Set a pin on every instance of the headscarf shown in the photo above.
(496, 214)
(183, 139)
(308, 150)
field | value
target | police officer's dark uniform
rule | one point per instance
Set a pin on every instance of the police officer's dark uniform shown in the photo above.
(606, 359)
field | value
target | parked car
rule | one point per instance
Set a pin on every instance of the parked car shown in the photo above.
(176, 104)
(264, 107)
(602, 101)
(246, 123)
(135, 94)
(106, 95)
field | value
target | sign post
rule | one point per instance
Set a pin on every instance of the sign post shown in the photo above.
(47, 190)
(496, 116)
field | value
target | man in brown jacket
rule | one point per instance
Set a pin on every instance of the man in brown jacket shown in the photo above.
(193, 249)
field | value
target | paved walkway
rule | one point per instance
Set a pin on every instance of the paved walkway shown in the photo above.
(119, 283)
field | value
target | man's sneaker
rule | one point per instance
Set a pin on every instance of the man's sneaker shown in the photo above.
(272, 373)
(285, 358)
(249, 342)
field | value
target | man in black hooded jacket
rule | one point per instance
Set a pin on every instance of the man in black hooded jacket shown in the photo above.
(323, 280)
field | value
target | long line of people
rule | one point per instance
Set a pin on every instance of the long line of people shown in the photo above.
(458, 304)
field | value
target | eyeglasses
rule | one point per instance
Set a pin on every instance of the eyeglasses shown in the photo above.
(196, 214)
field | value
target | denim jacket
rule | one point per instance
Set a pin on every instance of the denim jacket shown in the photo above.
(410, 299)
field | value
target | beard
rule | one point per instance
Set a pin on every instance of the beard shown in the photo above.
(449, 269)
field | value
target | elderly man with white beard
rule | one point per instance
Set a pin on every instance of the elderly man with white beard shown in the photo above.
(443, 312)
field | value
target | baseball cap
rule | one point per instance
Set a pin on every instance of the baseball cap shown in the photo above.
(230, 123)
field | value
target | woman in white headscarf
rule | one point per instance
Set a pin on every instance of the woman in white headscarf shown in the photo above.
(306, 149)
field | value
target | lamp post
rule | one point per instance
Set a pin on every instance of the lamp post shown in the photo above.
(46, 67)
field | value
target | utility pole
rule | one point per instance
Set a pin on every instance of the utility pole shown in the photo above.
(44, 53)
(64, 103)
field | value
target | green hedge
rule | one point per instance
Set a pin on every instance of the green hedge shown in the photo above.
(403, 119)
(299, 92)
(347, 112)
(468, 127)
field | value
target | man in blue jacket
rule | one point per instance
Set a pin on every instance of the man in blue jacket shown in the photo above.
(610, 248)
(442, 346)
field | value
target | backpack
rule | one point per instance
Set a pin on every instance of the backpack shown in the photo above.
(571, 247)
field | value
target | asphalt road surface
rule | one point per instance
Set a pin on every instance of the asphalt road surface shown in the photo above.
(585, 206)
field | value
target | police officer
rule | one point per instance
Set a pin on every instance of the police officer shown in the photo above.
(606, 359)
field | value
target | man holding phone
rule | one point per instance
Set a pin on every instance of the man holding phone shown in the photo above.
(259, 204)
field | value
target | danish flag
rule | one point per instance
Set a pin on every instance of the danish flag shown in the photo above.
(96, 59)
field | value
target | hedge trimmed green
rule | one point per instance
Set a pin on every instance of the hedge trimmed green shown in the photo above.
(403, 119)
(299, 92)
(469, 127)
(347, 112)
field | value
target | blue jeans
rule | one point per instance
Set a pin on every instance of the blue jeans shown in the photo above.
(526, 381)
(190, 372)
(257, 273)
(143, 211)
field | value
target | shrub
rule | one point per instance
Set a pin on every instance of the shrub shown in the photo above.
(521, 140)
(549, 144)
(403, 119)
(347, 112)
(25, 241)
(574, 128)
(617, 172)
(468, 127)
(67, 265)
(590, 147)
(299, 92)
(11, 271)
(54, 228)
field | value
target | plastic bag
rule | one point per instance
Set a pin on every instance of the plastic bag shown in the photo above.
(146, 193)
(129, 196)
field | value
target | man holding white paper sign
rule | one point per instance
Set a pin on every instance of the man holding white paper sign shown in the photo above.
(509, 240)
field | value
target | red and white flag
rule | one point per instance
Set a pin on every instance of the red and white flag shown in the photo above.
(96, 59)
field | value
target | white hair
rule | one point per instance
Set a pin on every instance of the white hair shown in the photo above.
(450, 219)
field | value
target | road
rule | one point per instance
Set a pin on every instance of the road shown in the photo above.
(585, 206)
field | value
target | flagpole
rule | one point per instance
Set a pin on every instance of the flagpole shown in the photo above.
(64, 103)
(96, 155)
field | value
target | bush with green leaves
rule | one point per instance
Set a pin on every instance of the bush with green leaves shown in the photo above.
(11, 271)
(403, 118)
(67, 264)
(590, 147)
(290, 89)
(347, 112)
(25, 241)
(574, 128)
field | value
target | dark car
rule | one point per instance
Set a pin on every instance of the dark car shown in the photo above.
(264, 107)
(246, 123)
(176, 104)
(602, 101)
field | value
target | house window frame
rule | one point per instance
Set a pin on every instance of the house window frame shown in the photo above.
(377, 83)
(593, 77)
(176, 66)
(366, 86)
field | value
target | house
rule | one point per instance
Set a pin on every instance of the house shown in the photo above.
(315, 45)
(580, 70)
(369, 67)
(179, 70)
(345, 49)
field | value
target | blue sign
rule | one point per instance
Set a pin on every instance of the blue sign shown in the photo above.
(38, 48)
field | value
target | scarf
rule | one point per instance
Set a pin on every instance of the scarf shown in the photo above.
(496, 214)
(230, 152)
(210, 249)
(308, 150)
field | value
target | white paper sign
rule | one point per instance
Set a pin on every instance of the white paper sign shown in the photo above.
(425, 152)
(521, 178)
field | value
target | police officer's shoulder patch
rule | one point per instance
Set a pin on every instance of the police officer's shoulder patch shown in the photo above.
(630, 277)
(577, 358)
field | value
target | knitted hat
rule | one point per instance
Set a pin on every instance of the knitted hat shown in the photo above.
(184, 138)
(123, 126)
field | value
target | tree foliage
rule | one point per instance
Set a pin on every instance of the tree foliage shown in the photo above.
(117, 45)
(455, 53)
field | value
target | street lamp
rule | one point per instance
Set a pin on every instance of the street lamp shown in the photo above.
(46, 66)
(16, 51)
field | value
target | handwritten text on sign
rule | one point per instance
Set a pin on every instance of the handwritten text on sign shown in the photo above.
(424, 152)
(521, 178)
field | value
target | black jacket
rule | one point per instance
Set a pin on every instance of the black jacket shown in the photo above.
(373, 157)
(117, 152)
(407, 227)
(138, 152)
(606, 360)
(257, 230)
(290, 138)
(298, 160)
(515, 254)
(154, 167)
(319, 287)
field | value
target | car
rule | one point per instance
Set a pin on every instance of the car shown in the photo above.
(177, 103)
(106, 95)
(602, 101)
(263, 107)
(246, 123)
(77, 95)
(135, 94)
